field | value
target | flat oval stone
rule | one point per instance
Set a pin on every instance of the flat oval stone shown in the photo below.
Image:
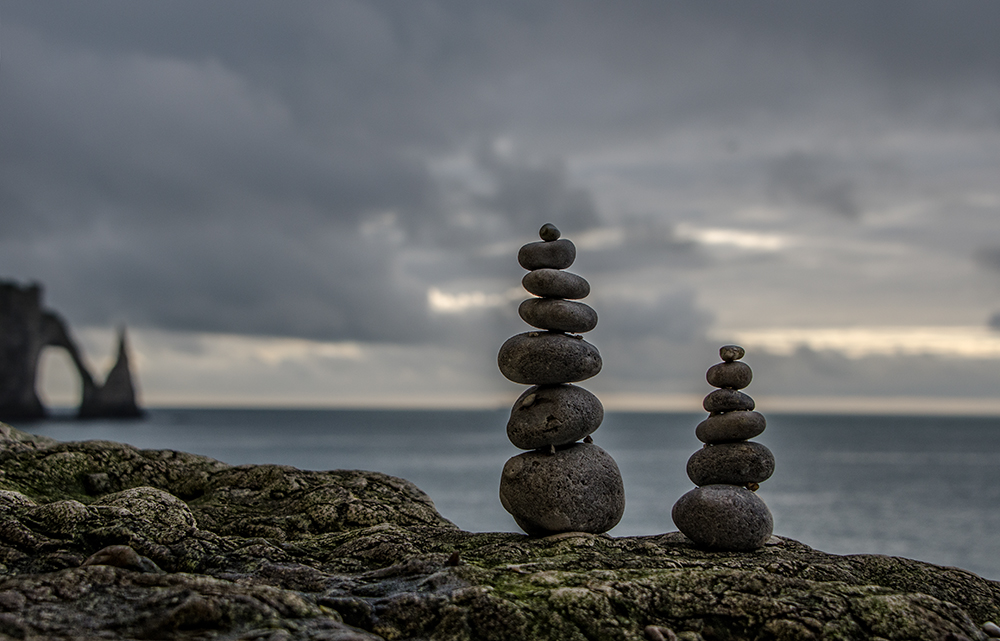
(558, 315)
(549, 232)
(727, 400)
(723, 517)
(547, 254)
(731, 353)
(731, 426)
(733, 463)
(577, 489)
(553, 415)
(732, 375)
(548, 358)
(554, 283)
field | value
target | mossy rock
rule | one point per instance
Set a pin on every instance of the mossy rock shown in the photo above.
(273, 552)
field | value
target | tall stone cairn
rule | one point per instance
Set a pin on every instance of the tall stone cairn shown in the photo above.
(723, 513)
(561, 484)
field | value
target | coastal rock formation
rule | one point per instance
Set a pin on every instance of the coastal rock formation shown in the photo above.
(562, 485)
(25, 330)
(199, 549)
(723, 512)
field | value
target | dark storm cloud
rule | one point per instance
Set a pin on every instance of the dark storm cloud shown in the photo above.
(816, 182)
(989, 257)
(269, 168)
(524, 194)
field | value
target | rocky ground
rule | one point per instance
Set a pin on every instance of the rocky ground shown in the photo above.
(101, 540)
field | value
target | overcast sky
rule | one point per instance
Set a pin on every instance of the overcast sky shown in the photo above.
(322, 202)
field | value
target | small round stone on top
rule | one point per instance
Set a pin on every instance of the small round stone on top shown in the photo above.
(549, 232)
(730, 353)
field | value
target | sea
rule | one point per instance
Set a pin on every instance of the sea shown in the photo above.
(923, 487)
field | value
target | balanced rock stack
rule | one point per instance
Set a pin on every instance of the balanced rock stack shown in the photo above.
(723, 513)
(562, 484)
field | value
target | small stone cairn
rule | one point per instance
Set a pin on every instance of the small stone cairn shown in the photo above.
(562, 484)
(723, 513)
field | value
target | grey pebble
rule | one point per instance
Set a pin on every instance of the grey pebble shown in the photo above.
(731, 353)
(549, 232)
(731, 375)
(723, 517)
(553, 415)
(558, 315)
(548, 358)
(730, 426)
(555, 283)
(991, 629)
(727, 400)
(577, 489)
(733, 463)
(547, 254)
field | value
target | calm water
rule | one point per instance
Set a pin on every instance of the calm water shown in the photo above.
(921, 487)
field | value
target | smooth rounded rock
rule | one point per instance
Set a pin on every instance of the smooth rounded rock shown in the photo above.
(731, 426)
(555, 283)
(731, 353)
(549, 232)
(547, 254)
(731, 375)
(727, 400)
(558, 315)
(577, 489)
(553, 415)
(723, 517)
(548, 358)
(734, 463)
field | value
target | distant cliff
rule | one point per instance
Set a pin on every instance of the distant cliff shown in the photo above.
(25, 330)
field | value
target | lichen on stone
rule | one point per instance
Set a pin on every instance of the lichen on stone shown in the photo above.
(164, 544)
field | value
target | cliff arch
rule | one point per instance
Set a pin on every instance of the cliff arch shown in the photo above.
(25, 330)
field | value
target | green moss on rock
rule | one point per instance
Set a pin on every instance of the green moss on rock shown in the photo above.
(273, 552)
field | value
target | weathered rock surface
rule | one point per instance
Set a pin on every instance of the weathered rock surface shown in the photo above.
(723, 517)
(271, 552)
(575, 489)
(554, 283)
(548, 358)
(732, 374)
(733, 463)
(727, 400)
(558, 315)
(553, 415)
(731, 426)
(547, 254)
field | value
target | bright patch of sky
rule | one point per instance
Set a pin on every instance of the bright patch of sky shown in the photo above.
(973, 342)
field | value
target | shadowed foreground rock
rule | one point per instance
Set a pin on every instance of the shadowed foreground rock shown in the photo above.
(209, 551)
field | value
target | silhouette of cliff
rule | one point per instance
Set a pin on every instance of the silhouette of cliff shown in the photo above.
(25, 330)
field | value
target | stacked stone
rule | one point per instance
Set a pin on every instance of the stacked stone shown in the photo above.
(723, 513)
(562, 484)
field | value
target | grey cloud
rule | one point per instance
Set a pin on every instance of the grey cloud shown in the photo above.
(215, 165)
(525, 193)
(814, 181)
(672, 316)
(988, 257)
(816, 373)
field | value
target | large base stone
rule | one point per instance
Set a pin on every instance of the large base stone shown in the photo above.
(723, 517)
(577, 489)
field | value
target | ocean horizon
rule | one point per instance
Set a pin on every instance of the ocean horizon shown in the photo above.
(922, 487)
